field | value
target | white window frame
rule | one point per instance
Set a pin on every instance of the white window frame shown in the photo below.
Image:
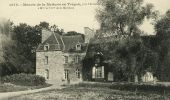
(98, 72)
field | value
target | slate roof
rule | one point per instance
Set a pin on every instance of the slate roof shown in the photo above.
(70, 42)
(107, 39)
(62, 43)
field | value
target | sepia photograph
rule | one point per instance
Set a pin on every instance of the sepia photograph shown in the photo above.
(84, 49)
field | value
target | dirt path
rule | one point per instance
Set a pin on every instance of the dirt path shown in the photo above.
(6, 95)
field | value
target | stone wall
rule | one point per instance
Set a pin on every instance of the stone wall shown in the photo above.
(89, 33)
(72, 66)
(54, 66)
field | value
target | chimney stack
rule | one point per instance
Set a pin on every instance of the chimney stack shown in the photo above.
(45, 34)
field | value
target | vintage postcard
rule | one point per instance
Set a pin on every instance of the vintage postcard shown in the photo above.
(84, 49)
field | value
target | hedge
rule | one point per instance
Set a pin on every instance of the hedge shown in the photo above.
(24, 79)
(157, 88)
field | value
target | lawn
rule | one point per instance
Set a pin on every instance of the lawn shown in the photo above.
(7, 87)
(88, 92)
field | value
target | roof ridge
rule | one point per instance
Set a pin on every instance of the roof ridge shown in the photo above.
(72, 36)
(55, 38)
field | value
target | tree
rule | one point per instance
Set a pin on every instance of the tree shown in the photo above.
(162, 28)
(19, 51)
(57, 30)
(72, 33)
(123, 18)
(5, 32)
(44, 25)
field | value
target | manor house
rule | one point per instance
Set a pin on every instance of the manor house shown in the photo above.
(60, 57)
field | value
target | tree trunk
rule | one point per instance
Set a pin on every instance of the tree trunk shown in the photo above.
(136, 78)
(0, 74)
(133, 68)
(129, 79)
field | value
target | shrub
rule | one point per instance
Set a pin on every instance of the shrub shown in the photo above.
(24, 79)
(158, 88)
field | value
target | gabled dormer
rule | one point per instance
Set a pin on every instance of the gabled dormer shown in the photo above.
(46, 47)
(78, 47)
(51, 43)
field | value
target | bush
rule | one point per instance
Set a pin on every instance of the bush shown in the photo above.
(158, 88)
(24, 79)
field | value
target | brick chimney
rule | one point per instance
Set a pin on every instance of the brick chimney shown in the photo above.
(89, 33)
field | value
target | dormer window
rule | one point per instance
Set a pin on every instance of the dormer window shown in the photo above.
(78, 47)
(46, 47)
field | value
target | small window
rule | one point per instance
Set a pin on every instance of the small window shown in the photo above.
(46, 60)
(47, 74)
(66, 59)
(66, 74)
(78, 47)
(46, 47)
(77, 59)
(78, 73)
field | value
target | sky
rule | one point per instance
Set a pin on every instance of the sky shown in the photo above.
(69, 19)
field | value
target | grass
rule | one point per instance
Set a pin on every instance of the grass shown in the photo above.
(142, 87)
(7, 87)
(90, 92)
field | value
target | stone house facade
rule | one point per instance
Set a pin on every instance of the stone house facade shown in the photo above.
(60, 57)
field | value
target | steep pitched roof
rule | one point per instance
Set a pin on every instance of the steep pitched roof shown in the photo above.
(54, 42)
(70, 42)
(59, 42)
